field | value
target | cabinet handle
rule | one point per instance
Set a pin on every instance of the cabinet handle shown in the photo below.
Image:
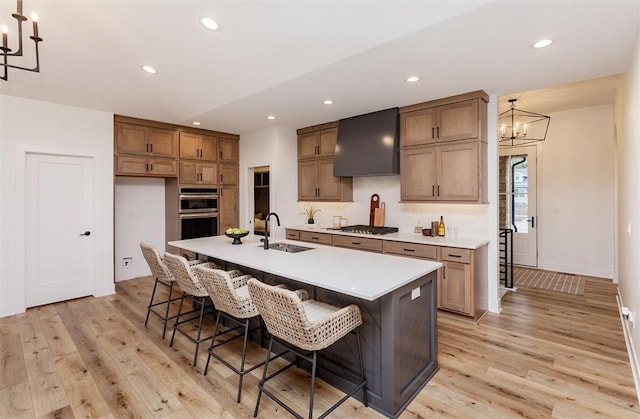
(356, 243)
(433, 190)
(409, 250)
(438, 190)
(151, 147)
(438, 132)
(220, 193)
(221, 177)
(220, 154)
(146, 167)
(454, 256)
(151, 165)
(433, 130)
(444, 272)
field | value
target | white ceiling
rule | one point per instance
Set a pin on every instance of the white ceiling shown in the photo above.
(285, 57)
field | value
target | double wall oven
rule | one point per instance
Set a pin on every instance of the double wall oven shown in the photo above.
(197, 212)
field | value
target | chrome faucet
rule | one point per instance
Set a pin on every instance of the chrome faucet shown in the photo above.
(266, 228)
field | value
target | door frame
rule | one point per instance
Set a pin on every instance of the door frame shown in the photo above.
(98, 286)
(538, 198)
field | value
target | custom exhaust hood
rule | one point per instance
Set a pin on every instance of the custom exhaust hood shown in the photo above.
(368, 145)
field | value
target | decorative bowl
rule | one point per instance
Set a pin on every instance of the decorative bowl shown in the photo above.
(236, 237)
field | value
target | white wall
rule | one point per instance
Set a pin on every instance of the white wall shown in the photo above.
(61, 129)
(628, 149)
(277, 148)
(139, 216)
(576, 193)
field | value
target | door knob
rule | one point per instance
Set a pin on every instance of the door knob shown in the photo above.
(532, 221)
(86, 233)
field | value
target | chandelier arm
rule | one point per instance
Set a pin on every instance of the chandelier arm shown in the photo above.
(20, 18)
(35, 69)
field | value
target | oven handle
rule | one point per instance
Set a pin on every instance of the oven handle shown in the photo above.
(201, 196)
(199, 215)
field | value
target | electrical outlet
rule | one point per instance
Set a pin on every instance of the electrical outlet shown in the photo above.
(126, 262)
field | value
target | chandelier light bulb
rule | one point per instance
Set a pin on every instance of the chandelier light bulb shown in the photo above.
(5, 29)
(34, 16)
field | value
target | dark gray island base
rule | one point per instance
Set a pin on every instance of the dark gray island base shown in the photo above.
(399, 340)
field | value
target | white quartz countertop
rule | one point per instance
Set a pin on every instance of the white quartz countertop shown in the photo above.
(356, 273)
(465, 243)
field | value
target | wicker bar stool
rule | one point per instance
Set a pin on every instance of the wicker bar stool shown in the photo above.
(305, 327)
(193, 290)
(231, 298)
(164, 278)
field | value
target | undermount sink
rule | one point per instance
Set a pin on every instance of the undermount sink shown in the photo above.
(287, 247)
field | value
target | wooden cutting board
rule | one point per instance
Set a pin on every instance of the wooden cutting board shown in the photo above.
(378, 216)
(375, 203)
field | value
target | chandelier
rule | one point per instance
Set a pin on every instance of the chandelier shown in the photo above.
(518, 127)
(8, 52)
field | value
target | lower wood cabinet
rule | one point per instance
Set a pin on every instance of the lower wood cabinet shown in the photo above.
(359, 243)
(456, 288)
(321, 238)
(142, 166)
(423, 251)
(292, 234)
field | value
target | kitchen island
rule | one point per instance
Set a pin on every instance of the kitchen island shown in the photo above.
(396, 295)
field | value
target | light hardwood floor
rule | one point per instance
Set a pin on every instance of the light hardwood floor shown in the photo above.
(546, 355)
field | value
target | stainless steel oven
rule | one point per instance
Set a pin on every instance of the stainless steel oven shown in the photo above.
(198, 212)
(199, 224)
(194, 200)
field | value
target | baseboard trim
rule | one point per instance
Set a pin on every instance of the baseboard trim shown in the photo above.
(633, 360)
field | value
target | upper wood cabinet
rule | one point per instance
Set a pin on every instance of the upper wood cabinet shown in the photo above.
(229, 152)
(146, 141)
(449, 172)
(198, 147)
(228, 174)
(145, 166)
(320, 143)
(457, 118)
(317, 183)
(198, 173)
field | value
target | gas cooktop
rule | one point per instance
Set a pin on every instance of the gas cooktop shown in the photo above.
(366, 229)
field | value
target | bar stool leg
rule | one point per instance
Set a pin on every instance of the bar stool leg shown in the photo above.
(175, 325)
(244, 356)
(313, 382)
(202, 303)
(213, 342)
(153, 293)
(166, 313)
(264, 374)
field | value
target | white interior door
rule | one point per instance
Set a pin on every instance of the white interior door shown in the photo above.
(520, 179)
(59, 222)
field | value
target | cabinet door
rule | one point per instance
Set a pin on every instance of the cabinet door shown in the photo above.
(308, 180)
(459, 172)
(228, 150)
(328, 184)
(131, 139)
(459, 121)
(229, 214)
(189, 172)
(228, 174)
(418, 174)
(418, 127)
(327, 142)
(307, 146)
(208, 148)
(455, 290)
(163, 142)
(162, 167)
(208, 173)
(189, 145)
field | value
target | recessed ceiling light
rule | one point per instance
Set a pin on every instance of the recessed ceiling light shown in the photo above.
(328, 102)
(149, 69)
(543, 43)
(209, 23)
(412, 79)
(271, 117)
(197, 123)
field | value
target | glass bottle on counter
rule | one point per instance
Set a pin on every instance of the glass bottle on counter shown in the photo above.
(441, 227)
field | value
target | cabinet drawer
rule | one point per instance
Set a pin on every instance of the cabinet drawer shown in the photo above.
(417, 250)
(359, 243)
(454, 254)
(293, 234)
(322, 238)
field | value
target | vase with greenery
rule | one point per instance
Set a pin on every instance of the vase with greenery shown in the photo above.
(310, 213)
